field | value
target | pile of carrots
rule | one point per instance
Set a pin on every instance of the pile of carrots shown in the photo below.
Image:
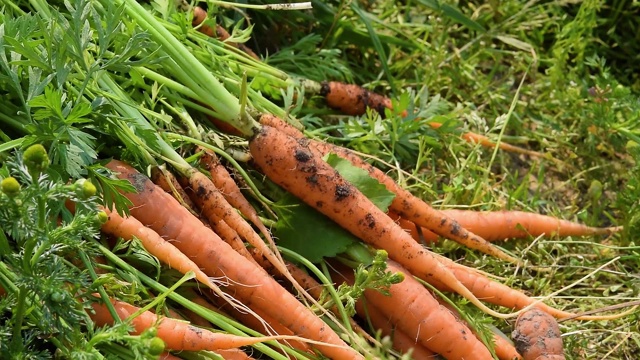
(200, 221)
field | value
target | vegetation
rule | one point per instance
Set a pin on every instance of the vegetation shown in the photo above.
(85, 81)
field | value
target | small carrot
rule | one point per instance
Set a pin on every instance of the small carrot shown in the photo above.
(413, 310)
(129, 227)
(353, 99)
(168, 182)
(177, 335)
(220, 33)
(405, 204)
(500, 225)
(233, 354)
(537, 336)
(247, 282)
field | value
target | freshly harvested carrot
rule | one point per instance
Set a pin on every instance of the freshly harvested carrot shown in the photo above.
(399, 339)
(168, 182)
(220, 33)
(404, 203)
(168, 356)
(502, 347)
(413, 310)
(248, 283)
(177, 335)
(294, 166)
(230, 190)
(129, 227)
(500, 225)
(353, 99)
(233, 354)
(419, 233)
(537, 336)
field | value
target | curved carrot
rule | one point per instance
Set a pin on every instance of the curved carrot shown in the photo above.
(537, 336)
(176, 334)
(247, 282)
(129, 227)
(168, 182)
(404, 203)
(299, 170)
(413, 310)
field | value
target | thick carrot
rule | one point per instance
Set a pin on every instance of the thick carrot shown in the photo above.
(177, 335)
(299, 170)
(413, 310)
(247, 282)
(129, 227)
(537, 336)
(353, 99)
(404, 204)
(399, 339)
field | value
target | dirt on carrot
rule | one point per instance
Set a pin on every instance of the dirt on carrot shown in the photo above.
(537, 336)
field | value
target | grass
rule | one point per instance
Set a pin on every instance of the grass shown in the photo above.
(542, 71)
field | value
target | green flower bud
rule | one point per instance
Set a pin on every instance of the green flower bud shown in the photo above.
(156, 346)
(36, 159)
(10, 186)
(85, 189)
(102, 217)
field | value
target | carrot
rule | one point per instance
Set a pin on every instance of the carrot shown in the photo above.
(399, 339)
(177, 335)
(405, 204)
(247, 282)
(299, 170)
(500, 225)
(537, 336)
(220, 33)
(168, 182)
(129, 227)
(502, 347)
(413, 310)
(233, 354)
(420, 234)
(353, 99)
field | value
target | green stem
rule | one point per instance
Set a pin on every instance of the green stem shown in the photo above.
(103, 294)
(18, 317)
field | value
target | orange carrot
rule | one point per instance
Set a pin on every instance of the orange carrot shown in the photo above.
(247, 282)
(413, 310)
(233, 354)
(129, 227)
(220, 33)
(168, 182)
(500, 225)
(405, 204)
(353, 99)
(537, 336)
(502, 347)
(304, 174)
(177, 335)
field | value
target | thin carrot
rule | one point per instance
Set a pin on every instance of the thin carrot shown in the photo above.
(247, 282)
(230, 190)
(233, 354)
(220, 33)
(129, 227)
(405, 204)
(177, 335)
(298, 169)
(399, 339)
(500, 225)
(537, 336)
(168, 182)
(420, 234)
(413, 310)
